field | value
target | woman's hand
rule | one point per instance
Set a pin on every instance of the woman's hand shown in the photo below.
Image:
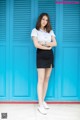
(42, 43)
(53, 43)
(49, 48)
(38, 45)
(47, 44)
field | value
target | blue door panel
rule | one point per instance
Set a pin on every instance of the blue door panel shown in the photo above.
(78, 92)
(4, 52)
(18, 73)
(2, 71)
(69, 73)
(20, 54)
(21, 71)
(69, 45)
(42, 6)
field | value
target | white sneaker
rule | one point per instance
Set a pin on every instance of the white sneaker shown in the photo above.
(42, 110)
(45, 105)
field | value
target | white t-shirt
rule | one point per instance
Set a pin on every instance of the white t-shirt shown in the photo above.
(42, 35)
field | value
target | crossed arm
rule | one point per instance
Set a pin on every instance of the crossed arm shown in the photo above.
(47, 45)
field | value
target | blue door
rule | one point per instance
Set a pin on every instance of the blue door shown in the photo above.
(18, 74)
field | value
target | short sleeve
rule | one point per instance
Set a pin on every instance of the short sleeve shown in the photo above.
(34, 32)
(52, 33)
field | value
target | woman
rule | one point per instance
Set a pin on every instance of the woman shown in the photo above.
(44, 39)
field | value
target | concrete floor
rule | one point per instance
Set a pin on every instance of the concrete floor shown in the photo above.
(30, 112)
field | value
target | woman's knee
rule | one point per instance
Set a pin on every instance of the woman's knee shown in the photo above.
(47, 78)
(40, 79)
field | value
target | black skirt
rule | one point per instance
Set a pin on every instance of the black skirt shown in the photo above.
(44, 58)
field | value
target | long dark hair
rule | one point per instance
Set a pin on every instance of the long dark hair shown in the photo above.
(38, 24)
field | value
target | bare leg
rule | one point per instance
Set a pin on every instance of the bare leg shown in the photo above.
(41, 75)
(46, 79)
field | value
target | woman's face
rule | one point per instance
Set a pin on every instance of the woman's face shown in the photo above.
(44, 21)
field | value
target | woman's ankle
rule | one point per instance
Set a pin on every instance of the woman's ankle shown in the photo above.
(40, 104)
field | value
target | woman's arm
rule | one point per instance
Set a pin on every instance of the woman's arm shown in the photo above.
(37, 45)
(53, 43)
